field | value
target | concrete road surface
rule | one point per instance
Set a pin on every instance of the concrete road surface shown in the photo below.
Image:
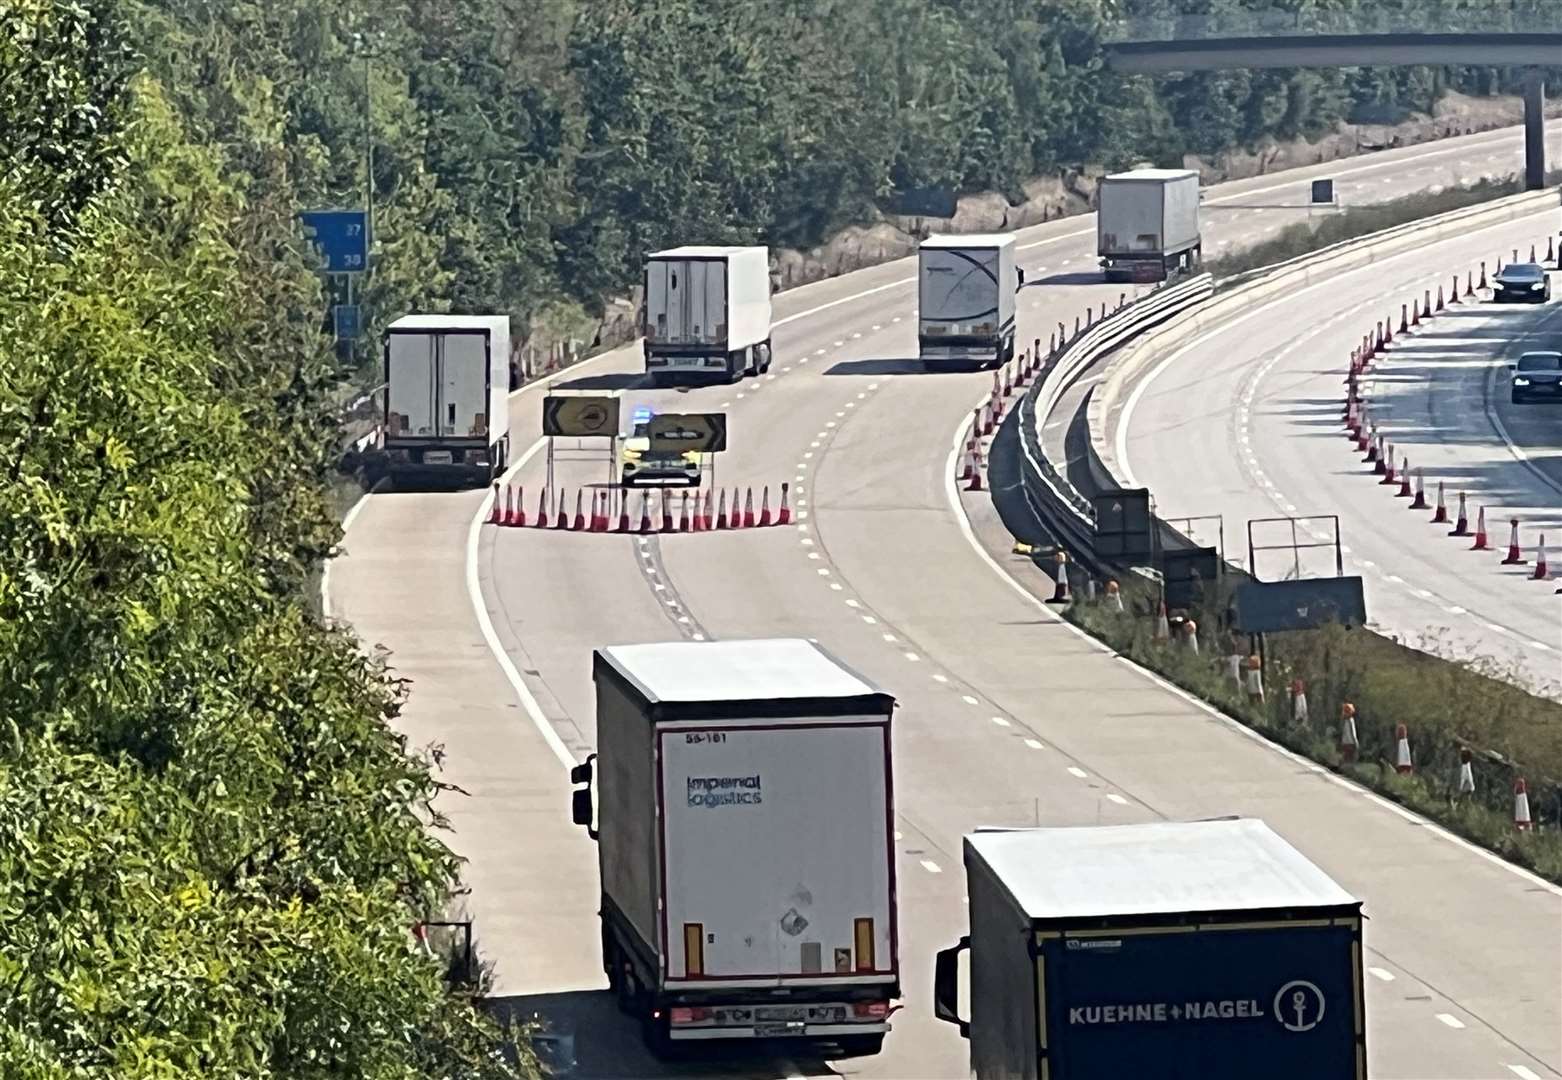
(1009, 716)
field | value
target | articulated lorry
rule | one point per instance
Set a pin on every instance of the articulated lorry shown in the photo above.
(1147, 224)
(1208, 950)
(707, 314)
(966, 289)
(741, 800)
(447, 385)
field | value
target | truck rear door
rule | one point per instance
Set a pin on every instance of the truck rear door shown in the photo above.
(777, 858)
(463, 405)
(413, 386)
(959, 291)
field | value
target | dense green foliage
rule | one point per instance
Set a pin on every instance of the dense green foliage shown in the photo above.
(212, 845)
(527, 152)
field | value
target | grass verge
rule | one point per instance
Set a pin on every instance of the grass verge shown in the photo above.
(1446, 707)
(1339, 226)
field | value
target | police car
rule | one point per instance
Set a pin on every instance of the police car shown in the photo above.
(639, 466)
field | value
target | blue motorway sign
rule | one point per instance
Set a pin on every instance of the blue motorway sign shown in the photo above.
(1277, 1002)
(347, 321)
(341, 237)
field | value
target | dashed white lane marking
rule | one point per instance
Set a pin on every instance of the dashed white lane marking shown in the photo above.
(860, 397)
(838, 416)
(813, 555)
(785, 370)
(819, 352)
(838, 344)
(1541, 645)
(805, 359)
(870, 620)
(1381, 973)
(726, 404)
(851, 405)
(895, 319)
(913, 657)
(806, 542)
(831, 423)
(773, 376)
(742, 396)
(801, 465)
(1000, 721)
(1452, 1021)
(814, 445)
(806, 454)
(939, 676)
(1034, 745)
(876, 326)
(1523, 1072)
(968, 699)
(856, 335)
(932, 867)
(889, 637)
(873, 386)
(1454, 609)
(1077, 771)
(836, 586)
(1118, 799)
(853, 603)
(699, 637)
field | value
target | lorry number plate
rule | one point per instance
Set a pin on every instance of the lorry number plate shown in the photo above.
(764, 1030)
(705, 736)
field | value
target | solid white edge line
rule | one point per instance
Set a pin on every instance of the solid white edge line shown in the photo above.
(325, 567)
(952, 494)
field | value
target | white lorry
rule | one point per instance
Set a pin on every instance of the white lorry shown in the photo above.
(746, 842)
(447, 384)
(1147, 224)
(965, 300)
(707, 314)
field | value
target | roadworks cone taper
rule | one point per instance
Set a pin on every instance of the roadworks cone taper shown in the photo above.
(1481, 542)
(1541, 572)
(1440, 517)
(1348, 743)
(1515, 556)
(1402, 763)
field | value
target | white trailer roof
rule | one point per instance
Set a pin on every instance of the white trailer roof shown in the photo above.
(1158, 868)
(698, 251)
(1153, 174)
(451, 322)
(690, 671)
(969, 240)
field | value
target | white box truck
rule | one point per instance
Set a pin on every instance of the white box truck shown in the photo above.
(707, 314)
(1147, 224)
(1182, 950)
(447, 384)
(741, 797)
(966, 287)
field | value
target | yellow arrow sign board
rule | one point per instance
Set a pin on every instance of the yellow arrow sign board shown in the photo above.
(677, 432)
(584, 416)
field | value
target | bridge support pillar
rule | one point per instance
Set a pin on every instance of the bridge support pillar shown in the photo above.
(1534, 130)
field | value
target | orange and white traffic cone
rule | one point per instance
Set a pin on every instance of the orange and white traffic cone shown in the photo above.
(721, 510)
(997, 387)
(1298, 702)
(1515, 556)
(1453, 290)
(1439, 298)
(1541, 572)
(667, 513)
(1253, 680)
(1465, 782)
(1462, 522)
(1190, 636)
(1404, 318)
(1402, 763)
(684, 524)
(1404, 480)
(517, 516)
(1532, 253)
(542, 509)
(579, 524)
(1420, 499)
(975, 483)
(764, 508)
(645, 512)
(1521, 819)
(623, 513)
(1114, 598)
(988, 418)
(1415, 313)
(1482, 285)
(1348, 743)
(499, 508)
(561, 512)
(598, 514)
(748, 509)
(784, 514)
(1387, 460)
(1440, 517)
(1481, 542)
(1428, 307)
(1469, 284)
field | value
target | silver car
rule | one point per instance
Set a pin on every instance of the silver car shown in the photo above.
(1537, 375)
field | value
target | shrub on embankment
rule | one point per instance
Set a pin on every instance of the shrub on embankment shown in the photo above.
(1445, 707)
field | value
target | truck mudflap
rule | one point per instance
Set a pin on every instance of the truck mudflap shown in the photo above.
(946, 986)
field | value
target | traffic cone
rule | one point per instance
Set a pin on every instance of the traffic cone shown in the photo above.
(1427, 307)
(1532, 253)
(1363, 437)
(987, 418)
(1453, 291)
(1541, 573)
(667, 513)
(1298, 702)
(1481, 542)
(1469, 284)
(702, 515)
(645, 512)
(1515, 557)
(1348, 744)
(1415, 313)
(997, 387)
(1404, 481)
(1482, 285)
(1253, 680)
(784, 514)
(1190, 636)
(748, 509)
(579, 524)
(1404, 319)
(1551, 251)
(764, 508)
(1439, 298)
(1462, 524)
(499, 509)
(542, 509)
(598, 514)
(1060, 593)
(1114, 598)
(517, 516)
(1440, 516)
(1521, 819)
(1402, 763)
(968, 459)
(1387, 462)
(1388, 331)
(1465, 784)
(623, 513)
(975, 483)
(721, 510)
(561, 513)
(1162, 625)
(1375, 453)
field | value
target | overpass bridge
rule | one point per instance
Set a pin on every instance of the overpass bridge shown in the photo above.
(1497, 35)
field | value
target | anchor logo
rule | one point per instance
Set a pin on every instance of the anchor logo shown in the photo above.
(1299, 1005)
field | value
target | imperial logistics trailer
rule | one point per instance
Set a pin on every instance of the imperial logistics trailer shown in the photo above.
(1207, 950)
(746, 843)
(447, 383)
(1147, 224)
(707, 314)
(965, 299)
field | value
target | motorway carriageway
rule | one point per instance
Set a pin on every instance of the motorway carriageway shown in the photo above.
(1009, 717)
(1243, 422)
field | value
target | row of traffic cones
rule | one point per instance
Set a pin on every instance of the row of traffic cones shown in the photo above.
(705, 512)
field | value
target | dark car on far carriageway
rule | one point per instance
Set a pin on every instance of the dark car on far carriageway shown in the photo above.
(1520, 283)
(1537, 375)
